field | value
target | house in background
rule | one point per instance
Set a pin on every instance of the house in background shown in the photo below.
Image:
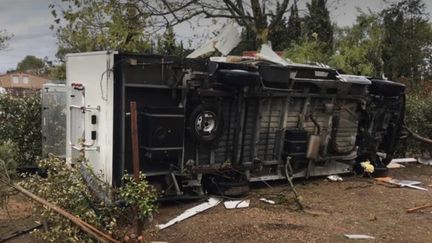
(22, 83)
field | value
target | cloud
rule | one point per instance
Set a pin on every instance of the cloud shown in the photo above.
(29, 22)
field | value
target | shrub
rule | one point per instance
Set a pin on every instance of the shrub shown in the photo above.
(20, 123)
(7, 170)
(138, 194)
(418, 118)
(64, 186)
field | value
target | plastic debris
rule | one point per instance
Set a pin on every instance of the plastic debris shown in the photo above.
(425, 161)
(394, 165)
(267, 200)
(367, 166)
(359, 237)
(227, 40)
(268, 54)
(402, 183)
(236, 204)
(404, 160)
(410, 184)
(334, 178)
(213, 201)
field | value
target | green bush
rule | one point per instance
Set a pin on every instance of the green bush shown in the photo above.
(138, 194)
(64, 186)
(20, 123)
(7, 170)
(418, 118)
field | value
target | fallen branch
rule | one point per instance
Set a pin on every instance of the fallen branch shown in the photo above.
(415, 209)
(91, 230)
(418, 137)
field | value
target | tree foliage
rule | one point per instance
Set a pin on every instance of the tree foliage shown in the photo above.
(167, 44)
(30, 63)
(307, 52)
(20, 123)
(317, 22)
(294, 26)
(65, 187)
(407, 36)
(359, 48)
(100, 25)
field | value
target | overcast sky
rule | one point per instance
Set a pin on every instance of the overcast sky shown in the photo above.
(29, 21)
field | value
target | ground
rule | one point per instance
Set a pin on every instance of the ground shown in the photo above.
(357, 205)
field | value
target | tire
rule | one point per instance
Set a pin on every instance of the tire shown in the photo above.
(205, 124)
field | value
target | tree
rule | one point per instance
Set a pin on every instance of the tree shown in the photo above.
(407, 36)
(359, 48)
(57, 72)
(125, 25)
(279, 35)
(100, 25)
(258, 17)
(167, 44)
(4, 38)
(30, 63)
(318, 22)
(307, 52)
(294, 25)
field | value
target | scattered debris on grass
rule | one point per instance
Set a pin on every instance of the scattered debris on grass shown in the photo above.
(334, 178)
(359, 237)
(402, 183)
(425, 161)
(267, 200)
(237, 204)
(212, 201)
(394, 165)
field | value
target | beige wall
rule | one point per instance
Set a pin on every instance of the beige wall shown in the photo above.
(21, 81)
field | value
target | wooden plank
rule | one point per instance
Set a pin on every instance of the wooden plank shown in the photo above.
(134, 137)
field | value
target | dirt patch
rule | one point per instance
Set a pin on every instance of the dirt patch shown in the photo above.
(17, 217)
(355, 206)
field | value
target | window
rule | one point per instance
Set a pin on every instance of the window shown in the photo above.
(15, 79)
(25, 79)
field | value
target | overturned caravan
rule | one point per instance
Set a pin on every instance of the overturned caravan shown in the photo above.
(217, 126)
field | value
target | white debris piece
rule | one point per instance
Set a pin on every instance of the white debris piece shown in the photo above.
(224, 42)
(268, 54)
(394, 165)
(359, 237)
(228, 39)
(410, 184)
(334, 178)
(404, 160)
(236, 204)
(425, 161)
(213, 201)
(267, 200)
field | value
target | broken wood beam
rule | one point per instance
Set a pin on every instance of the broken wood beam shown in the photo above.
(415, 209)
(91, 230)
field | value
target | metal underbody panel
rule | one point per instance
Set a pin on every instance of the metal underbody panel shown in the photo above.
(200, 121)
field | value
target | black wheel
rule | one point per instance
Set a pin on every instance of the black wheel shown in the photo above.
(205, 124)
(232, 186)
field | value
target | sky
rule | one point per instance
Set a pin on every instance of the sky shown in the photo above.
(29, 22)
